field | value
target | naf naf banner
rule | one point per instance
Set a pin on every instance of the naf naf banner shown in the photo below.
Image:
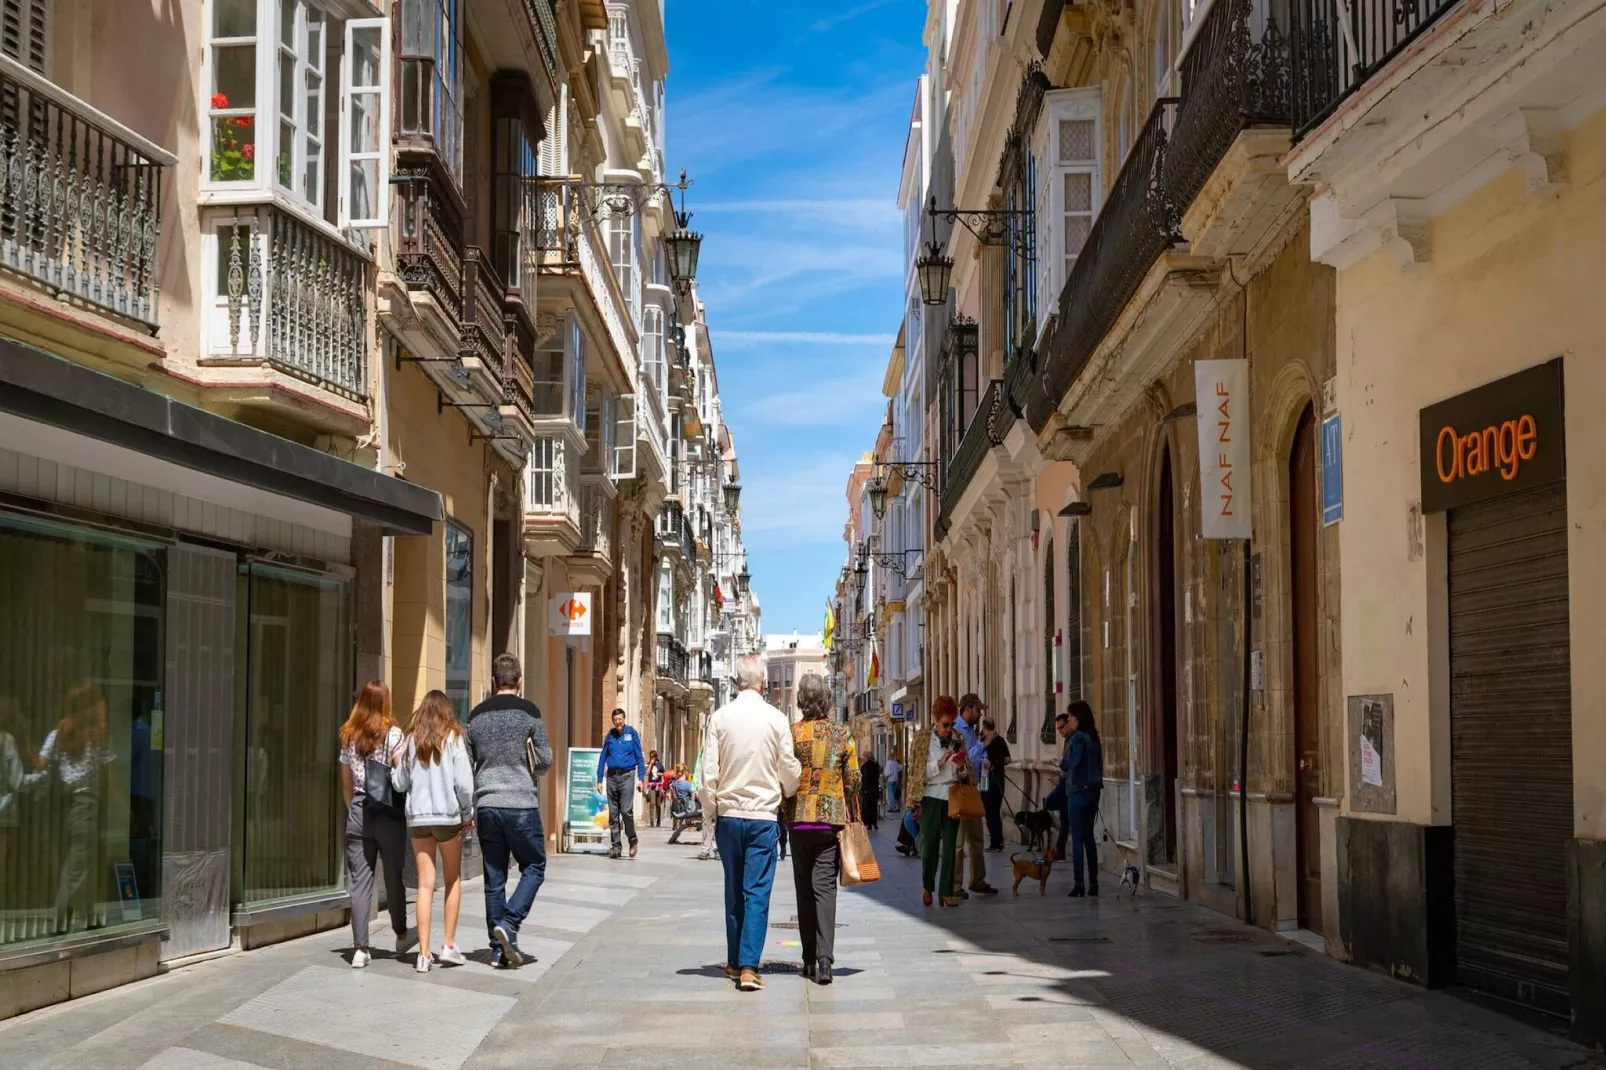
(1222, 390)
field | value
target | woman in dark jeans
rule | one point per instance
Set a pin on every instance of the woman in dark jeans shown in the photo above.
(992, 798)
(1083, 766)
(827, 788)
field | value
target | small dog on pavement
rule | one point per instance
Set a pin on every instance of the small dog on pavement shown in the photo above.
(1034, 826)
(1034, 866)
(1129, 870)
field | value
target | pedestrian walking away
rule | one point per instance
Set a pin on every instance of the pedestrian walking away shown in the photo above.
(870, 792)
(439, 782)
(972, 830)
(1083, 766)
(892, 773)
(992, 796)
(376, 824)
(929, 782)
(748, 767)
(828, 785)
(618, 766)
(509, 750)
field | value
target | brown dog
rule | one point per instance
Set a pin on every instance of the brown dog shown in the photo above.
(1036, 867)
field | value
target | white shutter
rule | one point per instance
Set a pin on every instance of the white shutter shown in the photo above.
(1073, 182)
(624, 437)
(365, 125)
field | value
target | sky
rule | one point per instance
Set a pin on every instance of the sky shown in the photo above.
(791, 120)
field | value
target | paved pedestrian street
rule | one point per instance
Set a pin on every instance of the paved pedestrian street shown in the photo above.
(627, 974)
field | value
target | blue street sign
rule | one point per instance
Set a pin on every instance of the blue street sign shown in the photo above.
(897, 711)
(1332, 471)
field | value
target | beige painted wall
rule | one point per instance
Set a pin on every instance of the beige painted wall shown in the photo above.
(1513, 280)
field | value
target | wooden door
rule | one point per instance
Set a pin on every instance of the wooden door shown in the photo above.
(1304, 557)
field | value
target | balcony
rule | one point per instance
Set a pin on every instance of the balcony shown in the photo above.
(484, 325)
(591, 563)
(670, 666)
(429, 247)
(1337, 46)
(80, 199)
(978, 439)
(552, 514)
(286, 330)
(674, 534)
(566, 247)
(864, 703)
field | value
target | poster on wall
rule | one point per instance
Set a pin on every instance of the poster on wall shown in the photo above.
(585, 808)
(1371, 758)
(569, 614)
(1332, 471)
(1221, 388)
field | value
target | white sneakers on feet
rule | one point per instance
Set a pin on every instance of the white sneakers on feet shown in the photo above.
(360, 958)
(451, 956)
(406, 941)
(422, 965)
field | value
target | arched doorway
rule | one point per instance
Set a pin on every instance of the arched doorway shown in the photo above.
(1303, 557)
(1167, 574)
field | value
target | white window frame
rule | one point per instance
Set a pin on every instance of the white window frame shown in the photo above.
(306, 125)
(1059, 105)
(575, 372)
(624, 437)
(379, 94)
(542, 471)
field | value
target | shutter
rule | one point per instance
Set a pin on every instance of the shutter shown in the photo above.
(25, 32)
(1511, 744)
(365, 126)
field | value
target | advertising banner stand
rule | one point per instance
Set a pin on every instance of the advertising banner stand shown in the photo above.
(585, 810)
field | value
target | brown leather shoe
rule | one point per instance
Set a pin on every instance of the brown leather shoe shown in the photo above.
(732, 973)
(632, 850)
(749, 981)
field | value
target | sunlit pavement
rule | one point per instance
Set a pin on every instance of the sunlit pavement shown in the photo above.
(627, 976)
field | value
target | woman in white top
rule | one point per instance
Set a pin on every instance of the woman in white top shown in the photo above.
(945, 762)
(374, 832)
(439, 781)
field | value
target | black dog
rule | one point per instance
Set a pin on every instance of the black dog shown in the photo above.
(1034, 826)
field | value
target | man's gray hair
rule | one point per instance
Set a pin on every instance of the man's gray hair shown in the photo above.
(750, 673)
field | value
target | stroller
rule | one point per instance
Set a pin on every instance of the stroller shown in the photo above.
(685, 813)
(908, 828)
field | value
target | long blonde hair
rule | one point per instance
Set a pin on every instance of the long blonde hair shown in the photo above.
(370, 722)
(434, 724)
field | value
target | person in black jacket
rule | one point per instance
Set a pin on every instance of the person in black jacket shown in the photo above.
(870, 792)
(992, 796)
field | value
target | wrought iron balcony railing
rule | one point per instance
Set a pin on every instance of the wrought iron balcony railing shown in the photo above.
(671, 660)
(1233, 76)
(565, 237)
(1335, 46)
(483, 322)
(80, 197)
(973, 446)
(1139, 221)
(429, 247)
(674, 530)
(295, 296)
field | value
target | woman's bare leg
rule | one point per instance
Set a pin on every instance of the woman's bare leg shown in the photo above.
(424, 853)
(452, 863)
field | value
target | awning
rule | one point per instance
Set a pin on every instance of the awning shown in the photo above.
(38, 386)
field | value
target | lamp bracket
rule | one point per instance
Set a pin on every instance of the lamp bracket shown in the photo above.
(989, 225)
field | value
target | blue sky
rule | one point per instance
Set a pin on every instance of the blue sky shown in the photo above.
(791, 119)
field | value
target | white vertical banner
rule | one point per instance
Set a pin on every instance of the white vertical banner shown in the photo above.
(1222, 390)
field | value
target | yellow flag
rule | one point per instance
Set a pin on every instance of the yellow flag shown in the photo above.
(830, 625)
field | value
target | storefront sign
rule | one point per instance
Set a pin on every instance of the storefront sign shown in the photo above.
(1222, 392)
(569, 614)
(1502, 437)
(897, 711)
(585, 809)
(1332, 471)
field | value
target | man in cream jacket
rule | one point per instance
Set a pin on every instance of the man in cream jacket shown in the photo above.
(748, 767)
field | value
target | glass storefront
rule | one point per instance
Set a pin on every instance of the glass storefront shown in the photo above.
(459, 617)
(81, 663)
(293, 688)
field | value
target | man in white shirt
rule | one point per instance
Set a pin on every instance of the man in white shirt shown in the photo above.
(889, 773)
(748, 767)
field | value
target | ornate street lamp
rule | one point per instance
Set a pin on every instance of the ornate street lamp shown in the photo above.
(683, 244)
(733, 496)
(743, 579)
(878, 496)
(934, 268)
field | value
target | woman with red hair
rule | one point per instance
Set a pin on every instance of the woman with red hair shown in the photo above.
(936, 762)
(375, 830)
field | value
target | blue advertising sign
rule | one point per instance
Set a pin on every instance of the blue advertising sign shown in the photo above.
(1332, 471)
(897, 711)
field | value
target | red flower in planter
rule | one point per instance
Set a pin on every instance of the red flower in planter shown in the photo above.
(219, 100)
(242, 121)
(249, 152)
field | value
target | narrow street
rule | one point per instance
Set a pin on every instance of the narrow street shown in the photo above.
(627, 975)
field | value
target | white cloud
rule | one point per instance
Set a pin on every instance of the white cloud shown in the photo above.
(748, 339)
(833, 21)
(796, 500)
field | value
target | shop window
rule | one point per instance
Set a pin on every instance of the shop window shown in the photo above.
(80, 731)
(459, 615)
(293, 688)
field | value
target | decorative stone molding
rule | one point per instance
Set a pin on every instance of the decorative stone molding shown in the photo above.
(1533, 145)
(1398, 224)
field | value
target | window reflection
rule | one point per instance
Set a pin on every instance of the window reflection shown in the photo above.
(459, 614)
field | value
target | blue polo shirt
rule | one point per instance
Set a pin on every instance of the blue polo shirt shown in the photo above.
(621, 752)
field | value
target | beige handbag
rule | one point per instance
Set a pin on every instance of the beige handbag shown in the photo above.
(858, 860)
(965, 801)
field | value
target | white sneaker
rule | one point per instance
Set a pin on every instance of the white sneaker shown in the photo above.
(406, 941)
(451, 956)
(359, 959)
(422, 965)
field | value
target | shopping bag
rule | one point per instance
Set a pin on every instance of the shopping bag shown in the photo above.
(858, 860)
(965, 801)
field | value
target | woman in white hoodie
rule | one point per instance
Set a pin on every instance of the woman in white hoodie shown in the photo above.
(435, 773)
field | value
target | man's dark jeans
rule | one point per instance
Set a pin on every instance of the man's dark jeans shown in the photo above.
(516, 834)
(992, 801)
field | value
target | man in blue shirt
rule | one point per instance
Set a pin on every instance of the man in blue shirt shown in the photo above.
(618, 766)
(972, 834)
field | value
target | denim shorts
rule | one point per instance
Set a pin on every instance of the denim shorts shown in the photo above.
(438, 833)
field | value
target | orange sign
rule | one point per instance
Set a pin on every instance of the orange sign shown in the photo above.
(569, 614)
(1503, 447)
(1502, 437)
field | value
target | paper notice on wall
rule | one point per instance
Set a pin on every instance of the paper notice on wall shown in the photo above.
(1371, 764)
(1221, 390)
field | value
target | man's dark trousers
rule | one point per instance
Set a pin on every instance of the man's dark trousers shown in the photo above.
(514, 834)
(992, 801)
(622, 805)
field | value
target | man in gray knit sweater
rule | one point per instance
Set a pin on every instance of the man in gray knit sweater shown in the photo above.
(502, 732)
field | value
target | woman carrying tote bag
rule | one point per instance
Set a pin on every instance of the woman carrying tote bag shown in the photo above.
(815, 815)
(376, 828)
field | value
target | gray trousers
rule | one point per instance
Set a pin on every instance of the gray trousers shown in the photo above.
(814, 870)
(622, 805)
(375, 836)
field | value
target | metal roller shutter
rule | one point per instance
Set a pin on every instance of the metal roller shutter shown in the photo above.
(1511, 744)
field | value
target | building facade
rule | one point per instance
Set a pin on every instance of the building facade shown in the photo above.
(350, 359)
(790, 657)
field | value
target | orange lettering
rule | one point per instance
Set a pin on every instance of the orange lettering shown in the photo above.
(1527, 435)
(1503, 446)
(1455, 456)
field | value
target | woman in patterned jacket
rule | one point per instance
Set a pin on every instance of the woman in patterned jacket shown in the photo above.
(815, 814)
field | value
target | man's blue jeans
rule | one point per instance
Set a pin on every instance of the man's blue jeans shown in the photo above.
(747, 849)
(516, 834)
